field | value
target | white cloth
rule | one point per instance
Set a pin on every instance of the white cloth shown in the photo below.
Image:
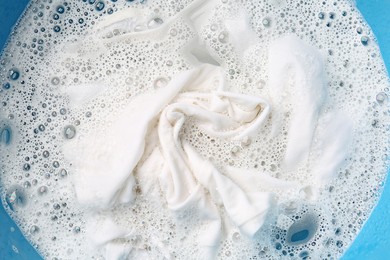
(296, 74)
(186, 174)
(104, 161)
(104, 166)
(296, 70)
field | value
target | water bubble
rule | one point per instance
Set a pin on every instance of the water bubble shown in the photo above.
(60, 9)
(364, 40)
(246, 141)
(332, 15)
(266, 22)
(160, 82)
(14, 74)
(304, 254)
(260, 84)
(69, 132)
(214, 27)
(236, 237)
(155, 22)
(55, 81)
(56, 28)
(263, 251)
(321, 15)
(6, 85)
(63, 173)
(56, 206)
(42, 190)
(15, 249)
(26, 167)
(5, 136)
(302, 230)
(99, 6)
(26, 184)
(34, 229)
(235, 150)
(45, 154)
(374, 122)
(173, 32)
(223, 37)
(339, 243)
(129, 81)
(41, 128)
(381, 97)
(15, 197)
(359, 30)
(63, 111)
(56, 164)
(76, 230)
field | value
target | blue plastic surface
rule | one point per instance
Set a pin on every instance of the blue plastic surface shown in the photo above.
(373, 242)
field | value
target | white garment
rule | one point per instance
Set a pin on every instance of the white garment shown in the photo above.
(103, 166)
(296, 73)
(104, 161)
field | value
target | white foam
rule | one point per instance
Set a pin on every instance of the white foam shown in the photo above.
(198, 129)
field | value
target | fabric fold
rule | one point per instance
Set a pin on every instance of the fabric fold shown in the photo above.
(296, 70)
(247, 210)
(104, 175)
(105, 164)
(187, 176)
(103, 232)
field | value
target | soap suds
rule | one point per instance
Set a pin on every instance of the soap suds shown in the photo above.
(192, 129)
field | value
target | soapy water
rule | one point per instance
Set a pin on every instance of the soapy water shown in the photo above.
(71, 69)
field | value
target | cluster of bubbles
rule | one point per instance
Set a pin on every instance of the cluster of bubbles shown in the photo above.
(58, 44)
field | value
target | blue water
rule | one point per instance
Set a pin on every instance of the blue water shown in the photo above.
(373, 241)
